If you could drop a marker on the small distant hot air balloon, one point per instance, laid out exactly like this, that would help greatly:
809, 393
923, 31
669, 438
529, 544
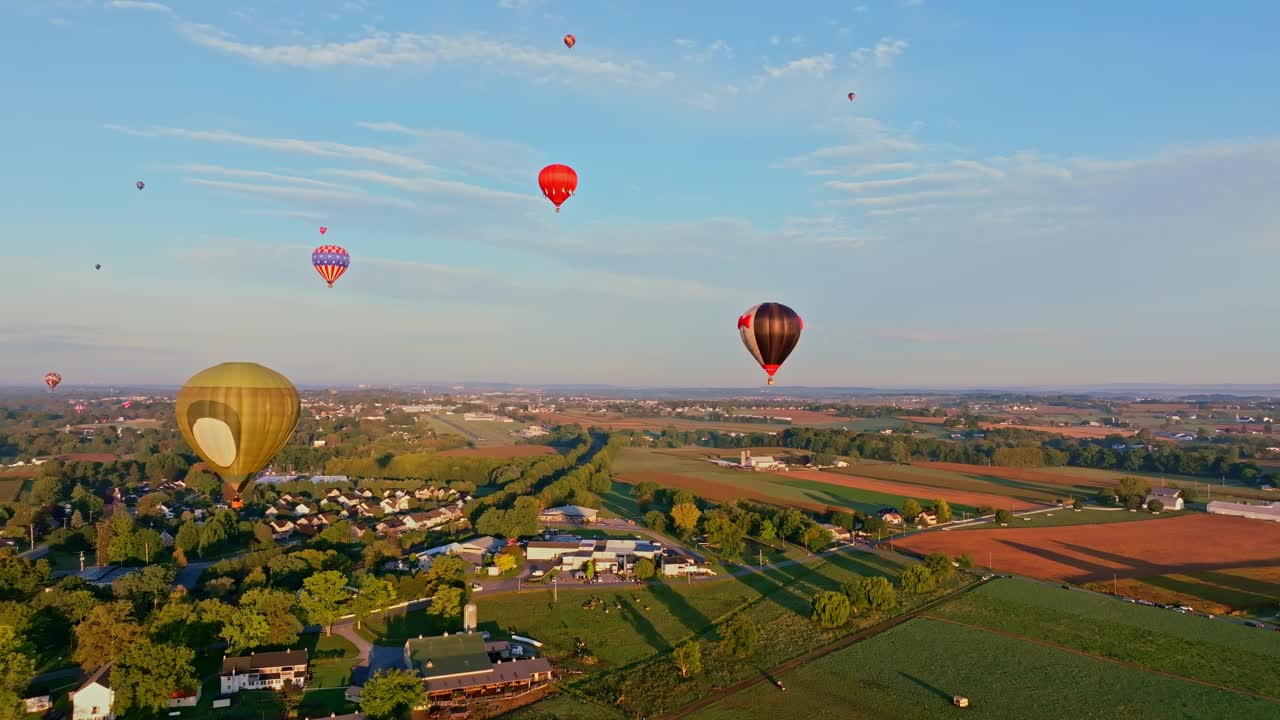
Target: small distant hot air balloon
323, 229
141, 184
770, 331
126, 404
81, 408
852, 96
570, 41
52, 379
97, 267
330, 261
558, 183
237, 416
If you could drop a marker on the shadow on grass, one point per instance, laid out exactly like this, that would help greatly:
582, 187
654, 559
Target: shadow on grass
921, 683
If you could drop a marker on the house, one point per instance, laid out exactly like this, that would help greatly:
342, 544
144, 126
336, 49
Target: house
474, 551
303, 509
838, 534
1170, 498
164, 511
394, 504
105, 575
532, 431
928, 517
268, 670
457, 668
93, 699
166, 539
1255, 512
568, 514
271, 511
281, 529
680, 565
39, 704
891, 517
391, 526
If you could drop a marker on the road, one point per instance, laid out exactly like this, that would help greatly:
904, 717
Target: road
465, 431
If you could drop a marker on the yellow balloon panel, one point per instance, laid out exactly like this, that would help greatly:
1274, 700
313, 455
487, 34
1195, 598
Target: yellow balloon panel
237, 416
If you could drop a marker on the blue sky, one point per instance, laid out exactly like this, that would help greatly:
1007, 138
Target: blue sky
1022, 192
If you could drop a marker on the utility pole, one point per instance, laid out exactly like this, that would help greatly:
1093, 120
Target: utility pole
146, 550
555, 590
32, 528
81, 561
989, 563
1114, 585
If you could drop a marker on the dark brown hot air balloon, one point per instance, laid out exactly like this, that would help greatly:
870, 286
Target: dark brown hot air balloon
770, 331
570, 41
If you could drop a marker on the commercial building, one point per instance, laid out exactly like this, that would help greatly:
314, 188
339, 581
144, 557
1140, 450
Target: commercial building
464, 668
1254, 512
568, 514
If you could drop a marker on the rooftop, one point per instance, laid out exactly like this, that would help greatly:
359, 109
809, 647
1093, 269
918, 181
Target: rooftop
259, 661
448, 655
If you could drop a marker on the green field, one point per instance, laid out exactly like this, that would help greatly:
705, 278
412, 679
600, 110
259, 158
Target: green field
1186, 645
565, 707
491, 433
1067, 516
973, 481
912, 671
763, 487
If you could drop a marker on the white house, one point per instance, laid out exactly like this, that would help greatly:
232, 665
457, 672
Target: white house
281, 528
93, 699
260, 671
1170, 498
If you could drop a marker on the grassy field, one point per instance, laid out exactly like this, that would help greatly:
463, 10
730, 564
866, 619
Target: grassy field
1249, 591
1214, 651
334, 658
975, 481
11, 488
490, 433
1067, 516
915, 668
565, 707
700, 477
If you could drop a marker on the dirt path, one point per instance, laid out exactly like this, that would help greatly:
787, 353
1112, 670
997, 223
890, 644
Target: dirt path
1104, 658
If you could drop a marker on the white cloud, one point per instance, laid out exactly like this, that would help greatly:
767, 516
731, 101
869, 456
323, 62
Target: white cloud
815, 66
199, 169
775, 40
862, 169
922, 195
347, 197
884, 53
138, 5
515, 4
486, 156
711, 50
905, 210
314, 148
978, 167
432, 185
384, 50
861, 8
933, 178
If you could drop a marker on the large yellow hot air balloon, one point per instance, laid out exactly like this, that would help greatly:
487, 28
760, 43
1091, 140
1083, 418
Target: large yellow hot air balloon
237, 416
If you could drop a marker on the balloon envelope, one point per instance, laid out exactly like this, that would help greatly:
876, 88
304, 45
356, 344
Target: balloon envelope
237, 416
558, 183
323, 229
770, 331
852, 96
52, 379
141, 184
570, 41
330, 261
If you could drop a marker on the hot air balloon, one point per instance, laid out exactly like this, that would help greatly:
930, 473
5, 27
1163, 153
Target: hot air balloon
81, 408
770, 331
558, 182
323, 229
126, 404
852, 96
97, 267
570, 41
237, 416
141, 184
330, 261
52, 379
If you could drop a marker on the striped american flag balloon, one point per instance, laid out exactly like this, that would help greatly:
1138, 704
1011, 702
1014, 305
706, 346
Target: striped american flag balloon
330, 261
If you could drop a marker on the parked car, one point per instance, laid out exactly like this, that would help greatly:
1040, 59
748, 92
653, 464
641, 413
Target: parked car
1254, 623
476, 588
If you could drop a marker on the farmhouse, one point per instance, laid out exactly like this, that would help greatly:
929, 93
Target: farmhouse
1255, 512
763, 462
260, 671
568, 514
838, 534
891, 516
93, 699
1170, 498
928, 517
457, 669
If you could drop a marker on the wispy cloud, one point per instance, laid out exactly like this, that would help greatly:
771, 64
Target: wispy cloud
432, 185
918, 196
515, 4
385, 50
696, 52
314, 148
348, 197
486, 156
138, 5
815, 66
884, 53
861, 169
199, 169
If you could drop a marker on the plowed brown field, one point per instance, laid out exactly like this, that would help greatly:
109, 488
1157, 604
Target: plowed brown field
958, 497
720, 492
1086, 553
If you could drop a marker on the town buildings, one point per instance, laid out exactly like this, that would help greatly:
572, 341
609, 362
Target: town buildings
269, 670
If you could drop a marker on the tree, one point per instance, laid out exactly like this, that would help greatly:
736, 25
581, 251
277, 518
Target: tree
815, 537
322, 597
17, 668
831, 609
644, 569
391, 694
655, 520
1004, 517
911, 509
841, 518
244, 630
188, 538
940, 565
872, 524
148, 503
1131, 487
943, 509
505, 562
447, 602
290, 699
688, 658
277, 606
767, 532
965, 561
685, 516
589, 570
1155, 506
738, 636
148, 674
375, 594
917, 579
147, 587
447, 570
871, 593
104, 634
899, 453
21, 578
723, 533
1076, 504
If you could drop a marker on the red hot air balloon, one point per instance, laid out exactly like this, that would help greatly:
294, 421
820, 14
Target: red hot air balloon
141, 184
323, 229
330, 261
52, 379
570, 41
852, 96
81, 408
558, 182
770, 331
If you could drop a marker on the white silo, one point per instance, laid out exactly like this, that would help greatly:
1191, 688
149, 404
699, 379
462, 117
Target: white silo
470, 616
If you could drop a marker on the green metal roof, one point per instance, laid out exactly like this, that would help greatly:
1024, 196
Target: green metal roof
448, 655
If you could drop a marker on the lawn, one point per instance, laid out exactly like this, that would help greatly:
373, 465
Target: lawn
490, 433
914, 669
323, 703
1251, 591
332, 658
1187, 645
564, 707
1066, 516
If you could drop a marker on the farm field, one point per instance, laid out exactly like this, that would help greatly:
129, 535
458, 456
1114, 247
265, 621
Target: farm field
1190, 646
11, 487
913, 670
1071, 431
957, 476
952, 496
503, 451
618, 422
483, 433
721, 485
1254, 591
1185, 545
1089, 480
1062, 517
